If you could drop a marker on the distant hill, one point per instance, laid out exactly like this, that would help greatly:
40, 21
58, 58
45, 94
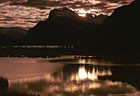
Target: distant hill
11, 35
13, 32
4, 40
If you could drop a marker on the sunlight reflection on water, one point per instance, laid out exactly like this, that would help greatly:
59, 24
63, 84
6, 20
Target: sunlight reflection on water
59, 78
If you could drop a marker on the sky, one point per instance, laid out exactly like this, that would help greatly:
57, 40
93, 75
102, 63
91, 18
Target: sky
26, 13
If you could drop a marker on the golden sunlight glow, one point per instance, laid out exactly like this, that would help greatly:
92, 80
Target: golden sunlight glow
93, 75
81, 12
83, 74
82, 61
71, 88
82, 15
94, 1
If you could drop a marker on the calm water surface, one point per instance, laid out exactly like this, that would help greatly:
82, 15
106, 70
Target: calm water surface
71, 76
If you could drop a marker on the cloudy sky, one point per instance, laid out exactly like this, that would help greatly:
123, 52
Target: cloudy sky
26, 13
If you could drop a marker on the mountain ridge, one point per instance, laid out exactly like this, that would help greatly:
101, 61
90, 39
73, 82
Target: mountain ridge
118, 31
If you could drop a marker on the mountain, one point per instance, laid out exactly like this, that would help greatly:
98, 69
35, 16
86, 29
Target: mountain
99, 19
63, 26
4, 40
13, 32
11, 35
120, 31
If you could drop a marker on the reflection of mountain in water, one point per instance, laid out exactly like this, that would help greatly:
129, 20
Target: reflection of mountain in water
75, 80
83, 77
129, 74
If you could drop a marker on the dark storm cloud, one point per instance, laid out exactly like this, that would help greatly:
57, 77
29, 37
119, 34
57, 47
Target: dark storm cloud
42, 4
103, 6
63, 3
1, 1
116, 1
13, 11
113, 1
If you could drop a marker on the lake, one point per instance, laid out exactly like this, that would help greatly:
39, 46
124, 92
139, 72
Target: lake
70, 76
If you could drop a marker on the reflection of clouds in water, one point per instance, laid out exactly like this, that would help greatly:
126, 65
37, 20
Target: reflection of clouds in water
68, 80
75, 84
84, 88
26, 13
13, 68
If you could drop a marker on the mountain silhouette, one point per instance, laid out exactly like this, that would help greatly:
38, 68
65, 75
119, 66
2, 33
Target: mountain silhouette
11, 35
117, 32
13, 32
120, 31
63, 27
5, 40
